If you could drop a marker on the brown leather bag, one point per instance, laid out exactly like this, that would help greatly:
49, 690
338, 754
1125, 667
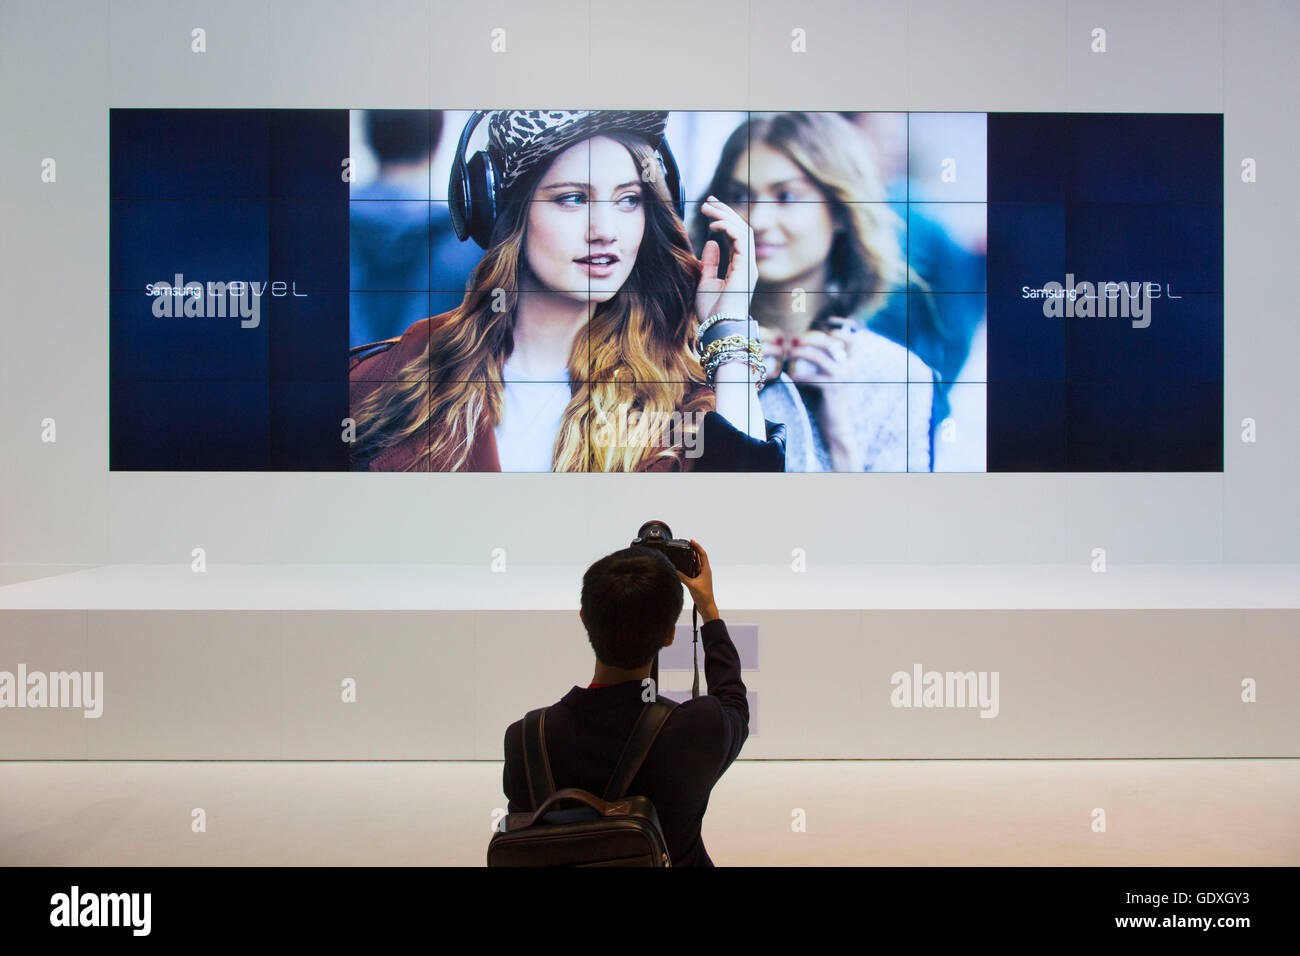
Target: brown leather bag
614, 831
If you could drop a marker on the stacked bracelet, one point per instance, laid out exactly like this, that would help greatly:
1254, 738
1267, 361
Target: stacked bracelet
710, 371
731, 343
722, 343
714, 319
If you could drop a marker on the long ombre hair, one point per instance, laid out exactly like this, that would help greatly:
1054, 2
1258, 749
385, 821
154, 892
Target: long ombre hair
639, 366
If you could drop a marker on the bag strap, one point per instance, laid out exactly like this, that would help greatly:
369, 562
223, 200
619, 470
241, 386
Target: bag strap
644, 731
522, 821
537, 765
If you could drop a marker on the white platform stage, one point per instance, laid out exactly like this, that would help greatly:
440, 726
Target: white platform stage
252, 662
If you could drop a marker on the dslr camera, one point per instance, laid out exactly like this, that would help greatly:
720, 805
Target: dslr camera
682, 554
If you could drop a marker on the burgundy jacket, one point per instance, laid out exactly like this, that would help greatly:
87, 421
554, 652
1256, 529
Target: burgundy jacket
723, 447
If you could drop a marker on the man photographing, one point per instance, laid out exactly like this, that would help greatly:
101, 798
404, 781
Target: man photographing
631, 601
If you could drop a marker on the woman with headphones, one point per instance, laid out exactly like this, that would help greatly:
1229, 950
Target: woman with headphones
590, 337
824, 237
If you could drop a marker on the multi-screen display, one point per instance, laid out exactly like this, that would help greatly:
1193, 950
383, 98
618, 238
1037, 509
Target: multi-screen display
304, 290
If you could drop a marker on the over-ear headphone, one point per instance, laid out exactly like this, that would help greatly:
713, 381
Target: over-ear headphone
474, 199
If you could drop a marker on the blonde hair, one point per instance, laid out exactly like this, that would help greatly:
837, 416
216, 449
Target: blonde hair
639, 364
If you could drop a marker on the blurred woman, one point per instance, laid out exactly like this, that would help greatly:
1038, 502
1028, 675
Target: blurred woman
806, 186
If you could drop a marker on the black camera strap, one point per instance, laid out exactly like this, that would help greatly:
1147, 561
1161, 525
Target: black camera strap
695, 646
695, 652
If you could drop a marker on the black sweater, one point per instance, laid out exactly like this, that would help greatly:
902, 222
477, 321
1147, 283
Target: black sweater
587, 729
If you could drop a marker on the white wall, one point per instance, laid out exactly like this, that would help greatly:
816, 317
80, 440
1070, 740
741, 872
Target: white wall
62, 69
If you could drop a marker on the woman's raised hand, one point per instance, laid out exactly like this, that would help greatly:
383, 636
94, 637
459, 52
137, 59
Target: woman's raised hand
823, 358
731, 295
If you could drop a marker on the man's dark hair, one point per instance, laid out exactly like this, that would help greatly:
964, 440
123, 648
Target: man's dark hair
631, 601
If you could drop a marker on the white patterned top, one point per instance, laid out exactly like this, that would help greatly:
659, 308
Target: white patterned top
889, 401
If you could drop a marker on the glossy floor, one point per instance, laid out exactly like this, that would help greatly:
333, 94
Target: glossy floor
880, 812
